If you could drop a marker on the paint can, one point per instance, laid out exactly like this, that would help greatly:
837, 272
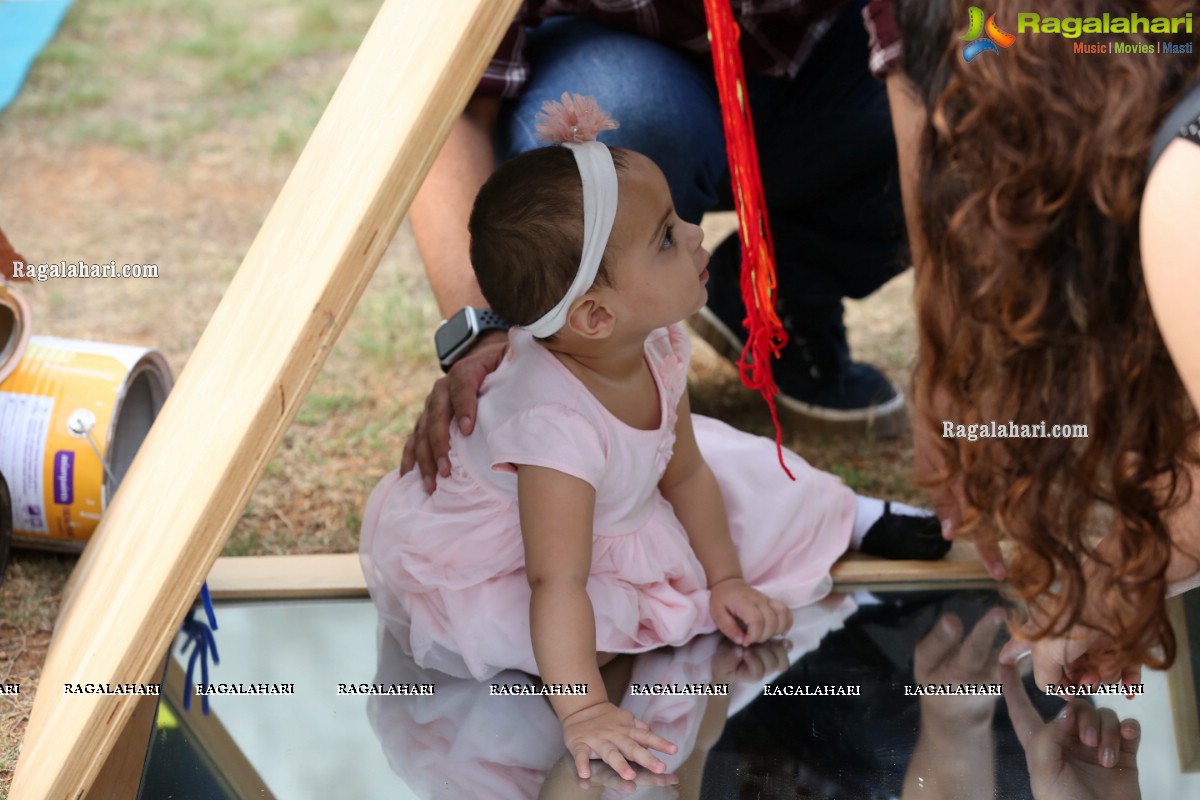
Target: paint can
72, 416
14, 328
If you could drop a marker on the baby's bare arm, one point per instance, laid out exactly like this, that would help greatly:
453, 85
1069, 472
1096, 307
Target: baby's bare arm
556, 524
741, 612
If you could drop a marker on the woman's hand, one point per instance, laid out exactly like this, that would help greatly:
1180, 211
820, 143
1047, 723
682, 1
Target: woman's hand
615, 736
1074, 659
746, 615
1082, 754
944, 655
454, 396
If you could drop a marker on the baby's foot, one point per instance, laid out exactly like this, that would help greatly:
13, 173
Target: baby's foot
901, 536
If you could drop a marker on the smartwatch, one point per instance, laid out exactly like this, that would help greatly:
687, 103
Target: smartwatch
455, 336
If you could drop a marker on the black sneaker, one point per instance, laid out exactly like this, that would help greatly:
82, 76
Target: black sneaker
818, 383
905, 537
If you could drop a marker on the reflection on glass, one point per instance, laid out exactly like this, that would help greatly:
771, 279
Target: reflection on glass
780, 732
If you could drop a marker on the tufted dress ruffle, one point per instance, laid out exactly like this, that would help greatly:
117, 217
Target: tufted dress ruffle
447, 570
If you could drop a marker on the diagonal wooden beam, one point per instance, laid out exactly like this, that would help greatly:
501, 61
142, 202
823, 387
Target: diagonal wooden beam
297, 286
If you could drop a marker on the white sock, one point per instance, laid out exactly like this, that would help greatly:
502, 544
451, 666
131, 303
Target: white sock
867, 512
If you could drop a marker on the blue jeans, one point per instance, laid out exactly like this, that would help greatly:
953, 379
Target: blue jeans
825, 143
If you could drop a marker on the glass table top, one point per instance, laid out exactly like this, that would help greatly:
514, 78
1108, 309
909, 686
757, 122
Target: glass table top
870, 697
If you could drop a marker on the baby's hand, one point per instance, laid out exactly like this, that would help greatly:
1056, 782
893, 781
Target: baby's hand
746, 615
606, 732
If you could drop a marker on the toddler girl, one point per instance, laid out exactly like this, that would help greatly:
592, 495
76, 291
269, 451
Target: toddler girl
580, 519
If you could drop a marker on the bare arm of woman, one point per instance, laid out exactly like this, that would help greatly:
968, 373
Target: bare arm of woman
742, 613
443, 204
556, 525
1171, 265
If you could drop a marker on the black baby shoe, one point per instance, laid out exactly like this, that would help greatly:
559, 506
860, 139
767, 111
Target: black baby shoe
904, 537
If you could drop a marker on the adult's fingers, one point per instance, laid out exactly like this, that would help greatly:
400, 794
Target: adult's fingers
1110, 738
436, 422
977, 648
992, 558
1014, 650
1049, 669
465, 383
466, 379
1088, 723
937, 645
1025, 717
1131, 738
408, 459
423, 455
1132, 675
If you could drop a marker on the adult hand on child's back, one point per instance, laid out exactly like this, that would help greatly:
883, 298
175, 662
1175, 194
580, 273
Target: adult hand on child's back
615, 736
746, 615
454, 396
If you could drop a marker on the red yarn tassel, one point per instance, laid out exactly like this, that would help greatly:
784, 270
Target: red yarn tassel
765, 335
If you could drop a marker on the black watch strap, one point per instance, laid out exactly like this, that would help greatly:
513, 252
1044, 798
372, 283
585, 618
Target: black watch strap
490, 321
457, 335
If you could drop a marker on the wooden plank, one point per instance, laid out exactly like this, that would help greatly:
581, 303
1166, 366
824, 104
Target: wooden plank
250, 371
960, 566
339, 574
287, 577
121, 774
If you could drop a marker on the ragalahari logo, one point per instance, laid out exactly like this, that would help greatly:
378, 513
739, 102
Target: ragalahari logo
996, 38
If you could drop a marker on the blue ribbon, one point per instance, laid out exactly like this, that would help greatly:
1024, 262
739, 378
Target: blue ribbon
199, 638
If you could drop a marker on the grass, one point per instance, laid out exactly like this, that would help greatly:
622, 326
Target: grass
213, 62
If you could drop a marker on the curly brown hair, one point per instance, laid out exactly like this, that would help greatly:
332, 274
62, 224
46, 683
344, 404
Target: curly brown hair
527, 232
1032, 306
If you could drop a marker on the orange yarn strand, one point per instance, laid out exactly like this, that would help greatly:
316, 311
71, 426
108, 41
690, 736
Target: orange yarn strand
765, 335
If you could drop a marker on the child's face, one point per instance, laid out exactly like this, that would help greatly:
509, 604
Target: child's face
659, 269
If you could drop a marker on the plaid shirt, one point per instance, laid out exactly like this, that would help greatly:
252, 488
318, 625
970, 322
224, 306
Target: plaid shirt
777, 35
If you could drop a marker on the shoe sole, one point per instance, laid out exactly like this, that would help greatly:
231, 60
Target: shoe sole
885, 420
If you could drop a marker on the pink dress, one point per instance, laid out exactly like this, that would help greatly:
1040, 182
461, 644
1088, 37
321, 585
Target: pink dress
447, 570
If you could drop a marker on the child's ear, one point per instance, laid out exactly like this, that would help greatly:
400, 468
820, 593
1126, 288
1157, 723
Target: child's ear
592, 317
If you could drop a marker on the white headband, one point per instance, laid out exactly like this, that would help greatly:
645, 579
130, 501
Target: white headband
599, 177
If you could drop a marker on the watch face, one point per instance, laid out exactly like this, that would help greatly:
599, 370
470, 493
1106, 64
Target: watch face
453, 334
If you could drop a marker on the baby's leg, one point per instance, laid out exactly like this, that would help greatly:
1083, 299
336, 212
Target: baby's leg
895, 530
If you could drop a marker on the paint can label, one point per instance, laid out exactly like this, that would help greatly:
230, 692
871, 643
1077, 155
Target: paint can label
56, 477
24, 426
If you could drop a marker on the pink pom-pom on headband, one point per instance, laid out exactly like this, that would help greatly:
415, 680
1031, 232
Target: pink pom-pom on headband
576, 119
